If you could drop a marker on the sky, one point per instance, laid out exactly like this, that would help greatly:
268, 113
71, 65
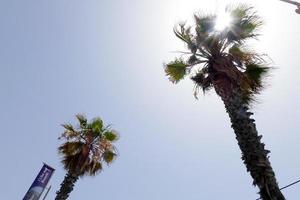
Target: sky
105, 58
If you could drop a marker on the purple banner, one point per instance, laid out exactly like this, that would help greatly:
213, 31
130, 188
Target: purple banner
36, 189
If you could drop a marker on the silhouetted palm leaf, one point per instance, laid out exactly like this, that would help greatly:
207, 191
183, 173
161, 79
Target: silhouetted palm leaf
176, 70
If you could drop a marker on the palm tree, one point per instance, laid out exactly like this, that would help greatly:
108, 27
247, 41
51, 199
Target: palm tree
85, 150
219, 59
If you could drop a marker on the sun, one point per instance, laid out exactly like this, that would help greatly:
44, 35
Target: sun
223, 21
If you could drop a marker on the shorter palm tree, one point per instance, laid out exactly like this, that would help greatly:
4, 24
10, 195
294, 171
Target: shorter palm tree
85, 150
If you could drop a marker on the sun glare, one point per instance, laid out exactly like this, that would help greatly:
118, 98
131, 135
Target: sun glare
223, 20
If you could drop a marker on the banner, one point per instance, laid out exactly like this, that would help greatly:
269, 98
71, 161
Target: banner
36, 189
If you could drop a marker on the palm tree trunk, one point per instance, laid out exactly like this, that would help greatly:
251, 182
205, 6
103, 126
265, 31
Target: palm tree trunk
66, 186
254, 155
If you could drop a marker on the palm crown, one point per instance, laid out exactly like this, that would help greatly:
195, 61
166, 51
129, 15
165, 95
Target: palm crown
87, 146
215, 54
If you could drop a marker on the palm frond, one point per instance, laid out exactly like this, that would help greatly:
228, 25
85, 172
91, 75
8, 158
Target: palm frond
94, 167
202, 81
245, 24
183, 33
111, 135
69, 133
108, 156
97, 126
205, 37
68, 127
242, 56
176, 70
204, 24
82, 120
255, 73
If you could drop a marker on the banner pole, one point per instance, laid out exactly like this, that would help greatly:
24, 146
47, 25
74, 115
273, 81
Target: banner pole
47, 192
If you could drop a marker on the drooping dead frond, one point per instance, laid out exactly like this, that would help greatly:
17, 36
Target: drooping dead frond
94, 168
70, 163
70, 148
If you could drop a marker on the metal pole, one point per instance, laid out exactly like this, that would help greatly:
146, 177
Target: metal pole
47, 192
294, 3
285, 187
291, 2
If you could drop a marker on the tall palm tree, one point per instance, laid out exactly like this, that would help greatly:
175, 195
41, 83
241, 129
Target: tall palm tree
219, 59
85, 150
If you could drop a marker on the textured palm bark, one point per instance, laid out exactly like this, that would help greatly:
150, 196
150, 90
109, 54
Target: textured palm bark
254, 154
66, 187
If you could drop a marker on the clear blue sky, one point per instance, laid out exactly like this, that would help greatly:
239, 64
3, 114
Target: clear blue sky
104, 58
